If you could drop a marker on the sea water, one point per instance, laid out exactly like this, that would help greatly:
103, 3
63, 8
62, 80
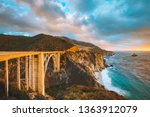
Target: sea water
128, 75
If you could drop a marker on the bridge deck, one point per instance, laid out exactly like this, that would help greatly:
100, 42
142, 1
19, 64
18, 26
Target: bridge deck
12, 55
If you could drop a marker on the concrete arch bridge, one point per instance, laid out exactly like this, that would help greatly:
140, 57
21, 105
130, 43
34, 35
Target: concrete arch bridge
36, 64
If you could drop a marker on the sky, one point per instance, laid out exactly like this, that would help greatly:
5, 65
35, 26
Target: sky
109, 24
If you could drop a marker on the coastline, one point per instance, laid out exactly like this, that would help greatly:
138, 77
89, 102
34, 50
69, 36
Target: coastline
108, 83
105, 80
128, 76
98, 77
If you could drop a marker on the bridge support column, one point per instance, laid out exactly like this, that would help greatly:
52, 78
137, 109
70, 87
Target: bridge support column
6, 78
58, 62
33, 73
35, 86
41, 85
18, 73
30, 71
27, 72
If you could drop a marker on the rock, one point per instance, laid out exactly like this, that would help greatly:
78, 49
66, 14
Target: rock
80, 67
32, 95
134, 55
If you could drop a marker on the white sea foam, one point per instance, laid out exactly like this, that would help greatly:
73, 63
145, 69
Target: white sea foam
107, 82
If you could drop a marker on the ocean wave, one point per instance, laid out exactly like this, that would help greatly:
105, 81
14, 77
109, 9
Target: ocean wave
107, 82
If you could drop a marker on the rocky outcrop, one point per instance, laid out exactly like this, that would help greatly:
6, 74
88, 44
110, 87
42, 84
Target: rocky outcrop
78, 68
134, 55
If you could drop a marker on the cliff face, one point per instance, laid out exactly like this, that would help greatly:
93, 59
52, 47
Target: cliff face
87, 61
77, 79
84, 60
100, 63
78, 68
81, 67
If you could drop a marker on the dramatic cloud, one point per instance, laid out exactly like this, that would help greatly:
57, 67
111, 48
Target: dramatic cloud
44, 8
11, 19
110, 24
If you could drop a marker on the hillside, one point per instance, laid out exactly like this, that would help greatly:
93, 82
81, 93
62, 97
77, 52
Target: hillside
39, 42
42, 42
92, 47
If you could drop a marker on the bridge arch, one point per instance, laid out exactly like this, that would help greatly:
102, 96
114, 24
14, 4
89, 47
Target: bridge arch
51, 68
52, 57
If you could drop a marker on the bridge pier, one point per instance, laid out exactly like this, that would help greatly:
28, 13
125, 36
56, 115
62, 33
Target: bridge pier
6, 78
33, 73
41, 74
27, 72
30, 72
58, 62
35, 80
18, 73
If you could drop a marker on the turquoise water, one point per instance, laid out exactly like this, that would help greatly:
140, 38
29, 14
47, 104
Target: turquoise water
129, 76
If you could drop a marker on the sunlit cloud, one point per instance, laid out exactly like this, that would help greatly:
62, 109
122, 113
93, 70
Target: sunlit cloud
110, 24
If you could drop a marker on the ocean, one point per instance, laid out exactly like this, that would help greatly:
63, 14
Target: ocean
128, 75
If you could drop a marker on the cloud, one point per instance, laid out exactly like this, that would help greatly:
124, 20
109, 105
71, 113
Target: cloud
114, 24
143, 34
44, 8
122, 16
39, 16
83, 6
52, 16
13, 19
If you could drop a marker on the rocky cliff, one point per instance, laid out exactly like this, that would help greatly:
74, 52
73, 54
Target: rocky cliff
77, 79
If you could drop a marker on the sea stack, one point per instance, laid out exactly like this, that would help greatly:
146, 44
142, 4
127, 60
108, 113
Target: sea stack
134, 55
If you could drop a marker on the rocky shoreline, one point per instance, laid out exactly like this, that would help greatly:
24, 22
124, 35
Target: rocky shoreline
78, 71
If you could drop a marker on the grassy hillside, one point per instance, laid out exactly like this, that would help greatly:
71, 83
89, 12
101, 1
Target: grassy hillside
39, 42
93, 47
43, 42
80, 92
